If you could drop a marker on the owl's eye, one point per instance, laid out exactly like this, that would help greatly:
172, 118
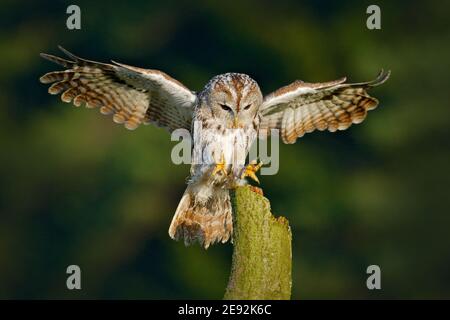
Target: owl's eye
247, 106
225, 107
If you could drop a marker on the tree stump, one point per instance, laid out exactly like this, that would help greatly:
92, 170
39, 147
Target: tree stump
262, 256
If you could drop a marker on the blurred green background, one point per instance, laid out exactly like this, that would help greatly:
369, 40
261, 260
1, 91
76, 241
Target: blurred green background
78, 189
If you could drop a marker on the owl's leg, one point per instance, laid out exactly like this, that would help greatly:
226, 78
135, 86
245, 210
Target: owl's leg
251, 169
220, 167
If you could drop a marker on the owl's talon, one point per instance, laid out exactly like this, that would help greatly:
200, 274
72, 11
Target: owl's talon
251, 169
220, 167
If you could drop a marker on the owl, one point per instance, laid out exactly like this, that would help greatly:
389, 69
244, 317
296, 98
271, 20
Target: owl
224, 118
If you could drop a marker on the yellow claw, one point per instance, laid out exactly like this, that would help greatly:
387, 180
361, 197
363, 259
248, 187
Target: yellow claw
251, 169
220, 167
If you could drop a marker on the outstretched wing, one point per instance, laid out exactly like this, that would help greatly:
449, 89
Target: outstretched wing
303, 107
133, 95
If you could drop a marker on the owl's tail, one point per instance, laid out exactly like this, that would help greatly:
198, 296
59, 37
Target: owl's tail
203, 219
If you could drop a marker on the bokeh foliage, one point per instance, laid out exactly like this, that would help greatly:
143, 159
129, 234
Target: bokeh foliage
77, 189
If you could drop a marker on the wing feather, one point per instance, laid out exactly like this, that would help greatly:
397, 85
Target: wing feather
302, 107
133, 95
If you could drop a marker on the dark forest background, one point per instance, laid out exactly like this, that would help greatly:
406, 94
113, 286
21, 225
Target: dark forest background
75, 188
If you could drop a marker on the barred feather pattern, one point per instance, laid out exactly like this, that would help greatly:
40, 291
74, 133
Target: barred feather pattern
205, 223
132, 95
301, 107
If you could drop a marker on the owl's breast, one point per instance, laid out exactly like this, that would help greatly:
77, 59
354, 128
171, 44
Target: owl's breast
228, 145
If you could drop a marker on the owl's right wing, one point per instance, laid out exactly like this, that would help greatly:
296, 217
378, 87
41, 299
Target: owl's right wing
133, 95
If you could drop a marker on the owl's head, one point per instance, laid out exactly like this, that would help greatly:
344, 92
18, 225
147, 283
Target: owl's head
234, 98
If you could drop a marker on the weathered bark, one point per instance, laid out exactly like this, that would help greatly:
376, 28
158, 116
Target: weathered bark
262, 255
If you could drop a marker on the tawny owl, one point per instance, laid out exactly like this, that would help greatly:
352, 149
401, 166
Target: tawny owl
224, 119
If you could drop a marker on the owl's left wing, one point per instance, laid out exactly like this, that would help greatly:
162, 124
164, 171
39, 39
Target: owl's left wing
301, 107
133, 95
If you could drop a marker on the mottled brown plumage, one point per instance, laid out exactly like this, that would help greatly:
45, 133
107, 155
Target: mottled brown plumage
331, 106
132, 95
224, 119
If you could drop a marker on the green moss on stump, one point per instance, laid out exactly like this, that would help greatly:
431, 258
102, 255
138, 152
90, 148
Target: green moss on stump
262, 255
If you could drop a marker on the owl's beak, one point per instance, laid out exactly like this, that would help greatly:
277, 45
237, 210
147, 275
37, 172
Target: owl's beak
235, 122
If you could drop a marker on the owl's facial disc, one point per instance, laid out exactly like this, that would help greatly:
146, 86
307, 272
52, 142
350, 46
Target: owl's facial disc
234, 98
